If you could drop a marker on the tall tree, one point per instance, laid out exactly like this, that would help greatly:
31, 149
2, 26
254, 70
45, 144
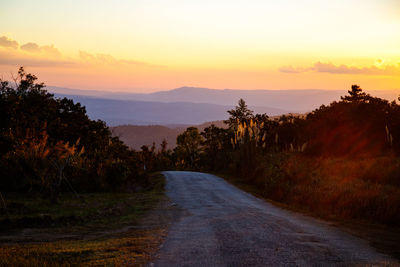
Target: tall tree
215, 139
38, 134
189, 146
241, 113
356, 94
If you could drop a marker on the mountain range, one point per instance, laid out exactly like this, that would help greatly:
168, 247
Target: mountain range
119, 112
298, 101
141, 119
191, 105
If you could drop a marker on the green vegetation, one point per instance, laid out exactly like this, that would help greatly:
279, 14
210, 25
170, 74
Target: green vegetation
66, 177
188, 148
97, 224
340, 160
49, 146
93, 211
60, 169
134, 250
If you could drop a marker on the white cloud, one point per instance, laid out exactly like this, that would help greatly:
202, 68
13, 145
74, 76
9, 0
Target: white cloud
378, 69
7, 42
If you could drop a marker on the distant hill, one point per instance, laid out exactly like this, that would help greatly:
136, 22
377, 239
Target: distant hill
119, 112
136, 136
290, 100
299, 101
148, 118
94, 93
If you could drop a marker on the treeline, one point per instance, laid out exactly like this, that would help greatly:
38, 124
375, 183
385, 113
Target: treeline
49, 145
341, 159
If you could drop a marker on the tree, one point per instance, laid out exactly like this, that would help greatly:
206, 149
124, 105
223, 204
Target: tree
215, 140
189, 147
239, 114
40, 137
355, 94
163, 146
148, 157
164, 157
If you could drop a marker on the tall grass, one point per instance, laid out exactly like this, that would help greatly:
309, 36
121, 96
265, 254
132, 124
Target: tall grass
134, 250
366, 188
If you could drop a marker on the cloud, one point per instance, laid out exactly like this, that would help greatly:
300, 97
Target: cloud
31, 47
33, 54
378, 69
97, 58
105, 59
291, 69
45, 49
18, 59
7, 42
343, 69
50, 50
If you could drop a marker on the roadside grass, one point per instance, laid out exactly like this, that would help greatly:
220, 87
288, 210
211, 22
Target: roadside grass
354, 195
92, 213
90, 209
349, 188
135, 250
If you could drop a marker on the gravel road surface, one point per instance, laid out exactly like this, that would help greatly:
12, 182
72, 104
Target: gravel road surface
224, 226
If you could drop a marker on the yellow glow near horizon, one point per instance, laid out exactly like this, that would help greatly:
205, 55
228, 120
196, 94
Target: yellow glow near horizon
154, 44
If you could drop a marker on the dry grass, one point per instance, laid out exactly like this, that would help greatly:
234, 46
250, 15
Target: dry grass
134, 246
136, 249
366, 189
362, 196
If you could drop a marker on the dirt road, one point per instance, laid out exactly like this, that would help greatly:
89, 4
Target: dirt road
224, 226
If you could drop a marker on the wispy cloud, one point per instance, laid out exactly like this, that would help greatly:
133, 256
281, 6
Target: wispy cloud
45, 49
8, 43
16, 59
344, 69
105, 59
31, 47
35, 55
378, 69
31, 54
291, 69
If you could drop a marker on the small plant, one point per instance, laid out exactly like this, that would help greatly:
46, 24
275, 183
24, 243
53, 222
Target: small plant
389, 137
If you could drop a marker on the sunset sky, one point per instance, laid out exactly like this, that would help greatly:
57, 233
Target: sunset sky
148, 45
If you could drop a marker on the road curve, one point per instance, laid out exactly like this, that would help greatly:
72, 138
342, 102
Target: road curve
224, 226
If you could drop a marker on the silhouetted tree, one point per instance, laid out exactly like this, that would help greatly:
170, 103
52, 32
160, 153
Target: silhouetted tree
355, 94
41, 134
189, 147
216, 140
239, 114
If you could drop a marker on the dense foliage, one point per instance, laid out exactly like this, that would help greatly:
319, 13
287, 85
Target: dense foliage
341, 159
49, 145
329, 160
357, 126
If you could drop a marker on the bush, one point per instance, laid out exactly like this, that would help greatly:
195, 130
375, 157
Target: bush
49, 145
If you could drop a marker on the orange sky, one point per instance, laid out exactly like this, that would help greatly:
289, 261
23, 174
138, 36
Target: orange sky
147, 45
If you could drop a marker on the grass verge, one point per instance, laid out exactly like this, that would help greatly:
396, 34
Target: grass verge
107, 229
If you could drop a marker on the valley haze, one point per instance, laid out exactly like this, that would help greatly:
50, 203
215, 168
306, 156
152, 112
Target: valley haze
192, 105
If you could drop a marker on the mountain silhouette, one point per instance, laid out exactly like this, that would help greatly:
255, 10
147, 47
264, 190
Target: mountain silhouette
118, 112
